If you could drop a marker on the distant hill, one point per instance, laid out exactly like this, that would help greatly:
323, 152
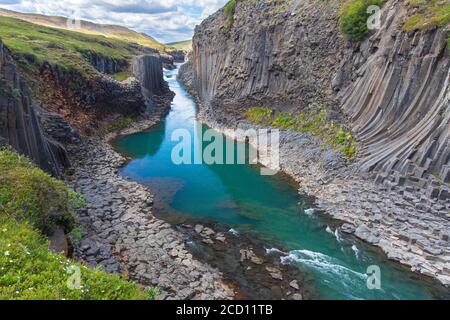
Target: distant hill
31, 44
185, 45
110, 31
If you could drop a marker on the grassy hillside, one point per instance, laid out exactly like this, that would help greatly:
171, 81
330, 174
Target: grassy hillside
110, 31
185, 45
32, 204
37, 43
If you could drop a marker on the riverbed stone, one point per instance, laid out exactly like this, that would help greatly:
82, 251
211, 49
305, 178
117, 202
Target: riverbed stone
294, 284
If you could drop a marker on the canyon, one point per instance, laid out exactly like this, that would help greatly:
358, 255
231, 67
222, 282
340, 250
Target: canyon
390, 92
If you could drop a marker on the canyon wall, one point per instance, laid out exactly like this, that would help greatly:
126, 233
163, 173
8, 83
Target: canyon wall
86, 102
392, 89
106, 65
19, 125
399, 103
148, 70
72, 105
276, 54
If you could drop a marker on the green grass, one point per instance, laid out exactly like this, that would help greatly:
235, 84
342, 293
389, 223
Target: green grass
33, 204
230, 9
431, 14
353, 18
121, 76
119, 124
29, 271
260, 115
110, 31
27, 194
313, 121
37, 43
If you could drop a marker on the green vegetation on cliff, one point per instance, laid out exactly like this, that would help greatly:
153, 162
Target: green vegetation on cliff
33, 204
354, 16
312, 121
430, 14
67, 49
230, 9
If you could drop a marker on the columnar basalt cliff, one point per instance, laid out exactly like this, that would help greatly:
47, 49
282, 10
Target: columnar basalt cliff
391, 90
106, 65
398, 104
274, 52
148, 70
19, 125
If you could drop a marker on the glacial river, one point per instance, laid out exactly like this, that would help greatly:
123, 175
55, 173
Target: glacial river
268, 208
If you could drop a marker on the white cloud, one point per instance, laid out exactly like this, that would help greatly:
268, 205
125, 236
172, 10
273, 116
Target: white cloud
166, 20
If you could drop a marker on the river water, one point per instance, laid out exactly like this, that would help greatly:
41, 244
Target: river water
268, 208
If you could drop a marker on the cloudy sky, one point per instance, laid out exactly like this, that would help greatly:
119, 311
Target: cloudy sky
166, 20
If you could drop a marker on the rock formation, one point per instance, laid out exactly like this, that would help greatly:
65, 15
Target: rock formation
72, 103
274, 54
19, 125
105, 65
148, 70
392, 89
399, 104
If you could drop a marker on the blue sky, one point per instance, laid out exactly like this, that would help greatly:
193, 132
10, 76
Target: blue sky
166, 20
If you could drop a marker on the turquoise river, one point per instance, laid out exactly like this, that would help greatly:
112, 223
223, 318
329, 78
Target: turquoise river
266, 207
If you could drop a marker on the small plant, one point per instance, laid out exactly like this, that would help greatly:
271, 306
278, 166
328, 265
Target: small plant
152, 293
354, 16
230, 9
284, 121
76, 200
16, 93
119, 124
121, 76
76, 235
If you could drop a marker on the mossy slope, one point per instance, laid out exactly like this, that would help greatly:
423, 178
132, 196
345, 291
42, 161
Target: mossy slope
33, 204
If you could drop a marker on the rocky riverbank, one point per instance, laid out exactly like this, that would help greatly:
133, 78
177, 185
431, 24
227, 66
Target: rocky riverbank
125, 231
288, 58
408, 226
121, 235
